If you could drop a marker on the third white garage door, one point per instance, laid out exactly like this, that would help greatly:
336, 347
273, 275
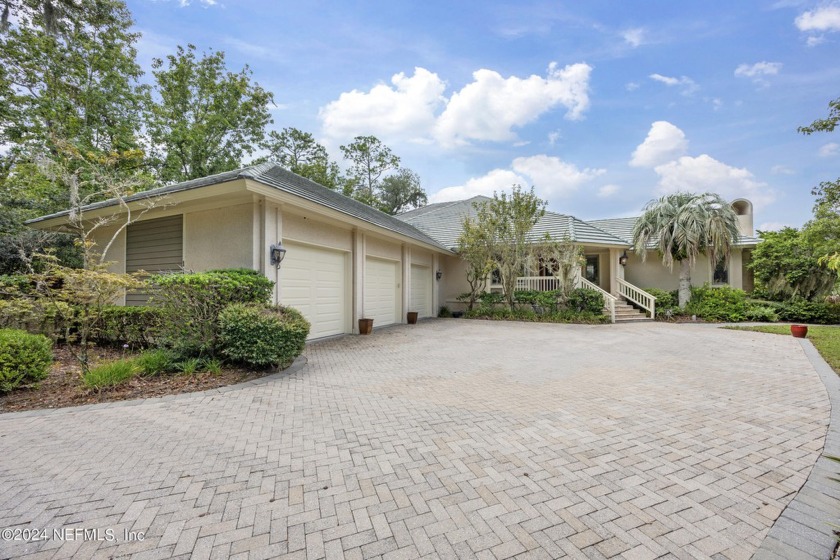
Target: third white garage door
381, 291
421, 290
313, 281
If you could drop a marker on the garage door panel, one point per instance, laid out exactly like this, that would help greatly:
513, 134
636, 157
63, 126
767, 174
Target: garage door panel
381, 291
312, 280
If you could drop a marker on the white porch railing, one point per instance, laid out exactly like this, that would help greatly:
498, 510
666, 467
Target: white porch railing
609, 299
637, 296
538, 283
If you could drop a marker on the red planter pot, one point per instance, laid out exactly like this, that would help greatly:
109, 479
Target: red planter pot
799, 331
412, 317
365, 326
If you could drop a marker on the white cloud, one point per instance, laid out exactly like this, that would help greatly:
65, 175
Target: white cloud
491, 106
553, 177
781, 170
496, 180
829, 150
631, 86
634, 37
550, 177
405, 110
772, 226
704, 173
608, 190
758, 71
815, 40
824, 18
185, 3
553, 137
487, 109
664, 142
687, 85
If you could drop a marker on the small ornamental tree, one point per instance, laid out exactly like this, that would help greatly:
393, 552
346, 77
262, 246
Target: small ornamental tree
511, 218
564, 259
475, 246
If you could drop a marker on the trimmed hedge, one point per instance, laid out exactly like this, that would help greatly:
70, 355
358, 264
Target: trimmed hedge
191, 304
262, 336
528, 315
139, 327
718, 304
25, 358
585, 300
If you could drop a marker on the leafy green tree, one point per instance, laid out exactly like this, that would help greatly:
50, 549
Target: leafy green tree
684, 225
787, 266
511, 219
300, 153
369, 160
203, 119
68, 75
401, 192
475, 247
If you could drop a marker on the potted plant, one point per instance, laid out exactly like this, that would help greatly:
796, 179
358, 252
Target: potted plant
412, 317
799, 331
365, 326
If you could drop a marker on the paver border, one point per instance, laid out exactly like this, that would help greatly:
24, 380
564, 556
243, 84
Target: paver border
803, 530
299, 363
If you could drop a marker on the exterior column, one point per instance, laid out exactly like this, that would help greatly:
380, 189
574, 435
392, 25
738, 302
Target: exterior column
358, 279
406, 283
613, 267
435, 284
272, 232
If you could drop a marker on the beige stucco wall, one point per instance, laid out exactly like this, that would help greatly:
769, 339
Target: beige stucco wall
219, 238
652, 274
375, 247
421, 257
115, 256
453, 282
315, 232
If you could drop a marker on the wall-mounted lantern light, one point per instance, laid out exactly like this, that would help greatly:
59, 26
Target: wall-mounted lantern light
277, 254
622, 260
438, 274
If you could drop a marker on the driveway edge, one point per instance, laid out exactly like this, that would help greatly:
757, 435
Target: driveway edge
299, 363
804, 529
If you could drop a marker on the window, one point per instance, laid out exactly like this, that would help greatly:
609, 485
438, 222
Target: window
721, 275
591, 269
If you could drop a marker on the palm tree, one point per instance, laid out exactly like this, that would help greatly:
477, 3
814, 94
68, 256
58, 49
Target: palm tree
684, 225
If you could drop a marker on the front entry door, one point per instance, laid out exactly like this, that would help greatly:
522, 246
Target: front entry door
591, 271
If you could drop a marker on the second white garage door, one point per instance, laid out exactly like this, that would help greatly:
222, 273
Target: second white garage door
421, 290
313, 281
381, 291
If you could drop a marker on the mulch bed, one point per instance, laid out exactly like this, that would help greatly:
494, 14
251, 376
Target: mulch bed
64, 385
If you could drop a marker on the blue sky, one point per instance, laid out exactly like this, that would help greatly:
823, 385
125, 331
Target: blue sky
600, 105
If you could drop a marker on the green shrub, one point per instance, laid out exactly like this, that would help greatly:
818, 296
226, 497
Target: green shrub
809, 312
51, 319
761, 312
139, 327
262, 336
191, 304
529, 315
444, 312
665, 301
585, 300
718, 304
491, 298
156, 362
110, 374
15, 285
24, 358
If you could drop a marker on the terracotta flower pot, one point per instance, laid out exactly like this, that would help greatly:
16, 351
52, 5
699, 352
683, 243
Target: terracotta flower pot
365, 326
799, 331
412, 317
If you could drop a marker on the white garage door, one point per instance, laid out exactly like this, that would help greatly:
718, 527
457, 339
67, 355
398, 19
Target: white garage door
381, 291
421, 290
312, 280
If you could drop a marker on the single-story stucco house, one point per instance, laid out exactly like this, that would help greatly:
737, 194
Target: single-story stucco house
345, 260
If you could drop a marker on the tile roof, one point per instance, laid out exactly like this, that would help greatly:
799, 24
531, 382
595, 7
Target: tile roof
273, 175
623, 228
442, 221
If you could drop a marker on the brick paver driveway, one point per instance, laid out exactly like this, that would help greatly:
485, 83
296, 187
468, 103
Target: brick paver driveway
446, 439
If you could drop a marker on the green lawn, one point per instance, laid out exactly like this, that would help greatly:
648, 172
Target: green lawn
825, 339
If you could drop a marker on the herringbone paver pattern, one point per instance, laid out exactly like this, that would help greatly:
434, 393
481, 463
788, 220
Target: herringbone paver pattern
449, 439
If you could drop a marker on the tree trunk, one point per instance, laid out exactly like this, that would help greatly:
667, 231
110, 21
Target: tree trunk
685, 283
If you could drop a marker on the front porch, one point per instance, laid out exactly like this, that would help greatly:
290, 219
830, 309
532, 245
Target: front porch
602, 271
